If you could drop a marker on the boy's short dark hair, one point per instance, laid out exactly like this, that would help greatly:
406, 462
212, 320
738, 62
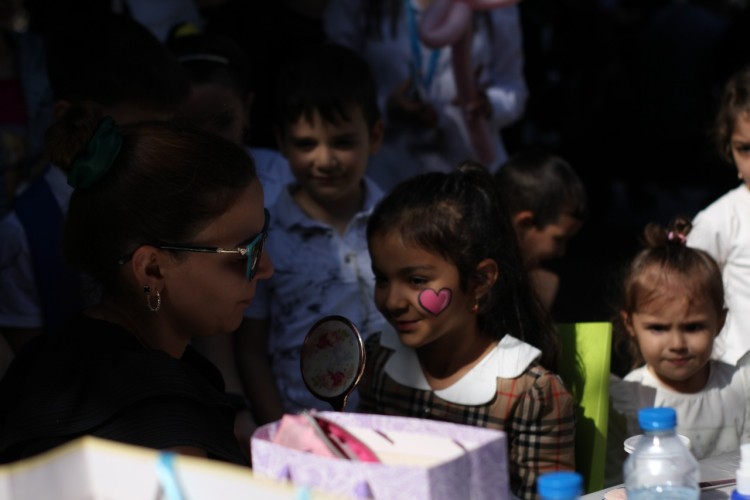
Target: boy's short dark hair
543, 183
328, 79
112, 59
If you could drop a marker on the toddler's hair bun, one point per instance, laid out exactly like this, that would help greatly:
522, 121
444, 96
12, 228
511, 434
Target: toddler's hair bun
655, 235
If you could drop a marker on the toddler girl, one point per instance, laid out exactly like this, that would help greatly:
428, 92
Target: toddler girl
470, 344
672, 310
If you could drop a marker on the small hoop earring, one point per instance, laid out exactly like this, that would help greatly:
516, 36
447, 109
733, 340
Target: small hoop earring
475, 308
151, 307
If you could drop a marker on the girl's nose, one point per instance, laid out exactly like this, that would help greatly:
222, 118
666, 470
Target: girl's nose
395, 303
677, 341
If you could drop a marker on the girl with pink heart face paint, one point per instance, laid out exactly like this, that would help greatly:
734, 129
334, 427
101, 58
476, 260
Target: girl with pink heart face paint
470, 343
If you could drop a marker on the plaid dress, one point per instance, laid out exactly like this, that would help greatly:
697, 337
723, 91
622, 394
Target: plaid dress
534, 409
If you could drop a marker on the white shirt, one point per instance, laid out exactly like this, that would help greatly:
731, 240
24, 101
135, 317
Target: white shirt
723, 231
716, 419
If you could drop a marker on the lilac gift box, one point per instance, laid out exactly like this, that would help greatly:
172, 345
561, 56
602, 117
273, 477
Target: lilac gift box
480, 471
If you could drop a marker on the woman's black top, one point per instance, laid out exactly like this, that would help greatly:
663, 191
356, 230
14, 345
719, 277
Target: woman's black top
94, 378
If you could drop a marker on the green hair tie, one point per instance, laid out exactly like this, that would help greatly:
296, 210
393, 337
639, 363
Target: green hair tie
97, 158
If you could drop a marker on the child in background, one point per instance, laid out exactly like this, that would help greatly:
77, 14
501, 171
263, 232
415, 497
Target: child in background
25, 101
328, 125
471, 344
672, 310
417, 91
547, 203
723, 228
221, 99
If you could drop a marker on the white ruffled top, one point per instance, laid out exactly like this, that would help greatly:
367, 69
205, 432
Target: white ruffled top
716, 419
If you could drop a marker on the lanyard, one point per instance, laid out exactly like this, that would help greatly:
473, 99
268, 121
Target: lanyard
422, 79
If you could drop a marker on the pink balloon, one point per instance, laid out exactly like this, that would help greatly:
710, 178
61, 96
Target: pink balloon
449, 22
445, 20
444, 23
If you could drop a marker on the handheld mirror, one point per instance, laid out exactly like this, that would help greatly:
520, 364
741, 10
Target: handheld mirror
332, 360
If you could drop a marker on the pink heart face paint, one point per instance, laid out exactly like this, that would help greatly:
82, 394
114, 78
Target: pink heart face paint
435, 302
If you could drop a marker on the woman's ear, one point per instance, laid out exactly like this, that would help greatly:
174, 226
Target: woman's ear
486, 274
146, 265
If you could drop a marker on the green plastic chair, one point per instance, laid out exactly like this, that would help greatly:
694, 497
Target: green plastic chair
584, 367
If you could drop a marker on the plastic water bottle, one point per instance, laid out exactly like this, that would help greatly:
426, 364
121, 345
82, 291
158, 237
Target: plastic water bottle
661, 466
563, 485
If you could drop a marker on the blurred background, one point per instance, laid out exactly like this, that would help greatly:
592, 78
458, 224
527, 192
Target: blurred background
625, 90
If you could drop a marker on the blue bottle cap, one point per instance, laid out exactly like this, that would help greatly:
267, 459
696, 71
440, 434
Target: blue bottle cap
559, 485
736, 495
657, 419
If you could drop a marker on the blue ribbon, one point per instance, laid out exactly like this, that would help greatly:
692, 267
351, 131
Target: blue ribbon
167, 475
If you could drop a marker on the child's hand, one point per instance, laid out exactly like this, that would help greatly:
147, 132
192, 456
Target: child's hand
404, 106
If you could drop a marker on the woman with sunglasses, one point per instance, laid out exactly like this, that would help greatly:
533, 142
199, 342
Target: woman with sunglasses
169, 220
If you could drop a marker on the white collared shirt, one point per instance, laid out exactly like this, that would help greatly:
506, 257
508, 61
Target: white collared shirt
509, 359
